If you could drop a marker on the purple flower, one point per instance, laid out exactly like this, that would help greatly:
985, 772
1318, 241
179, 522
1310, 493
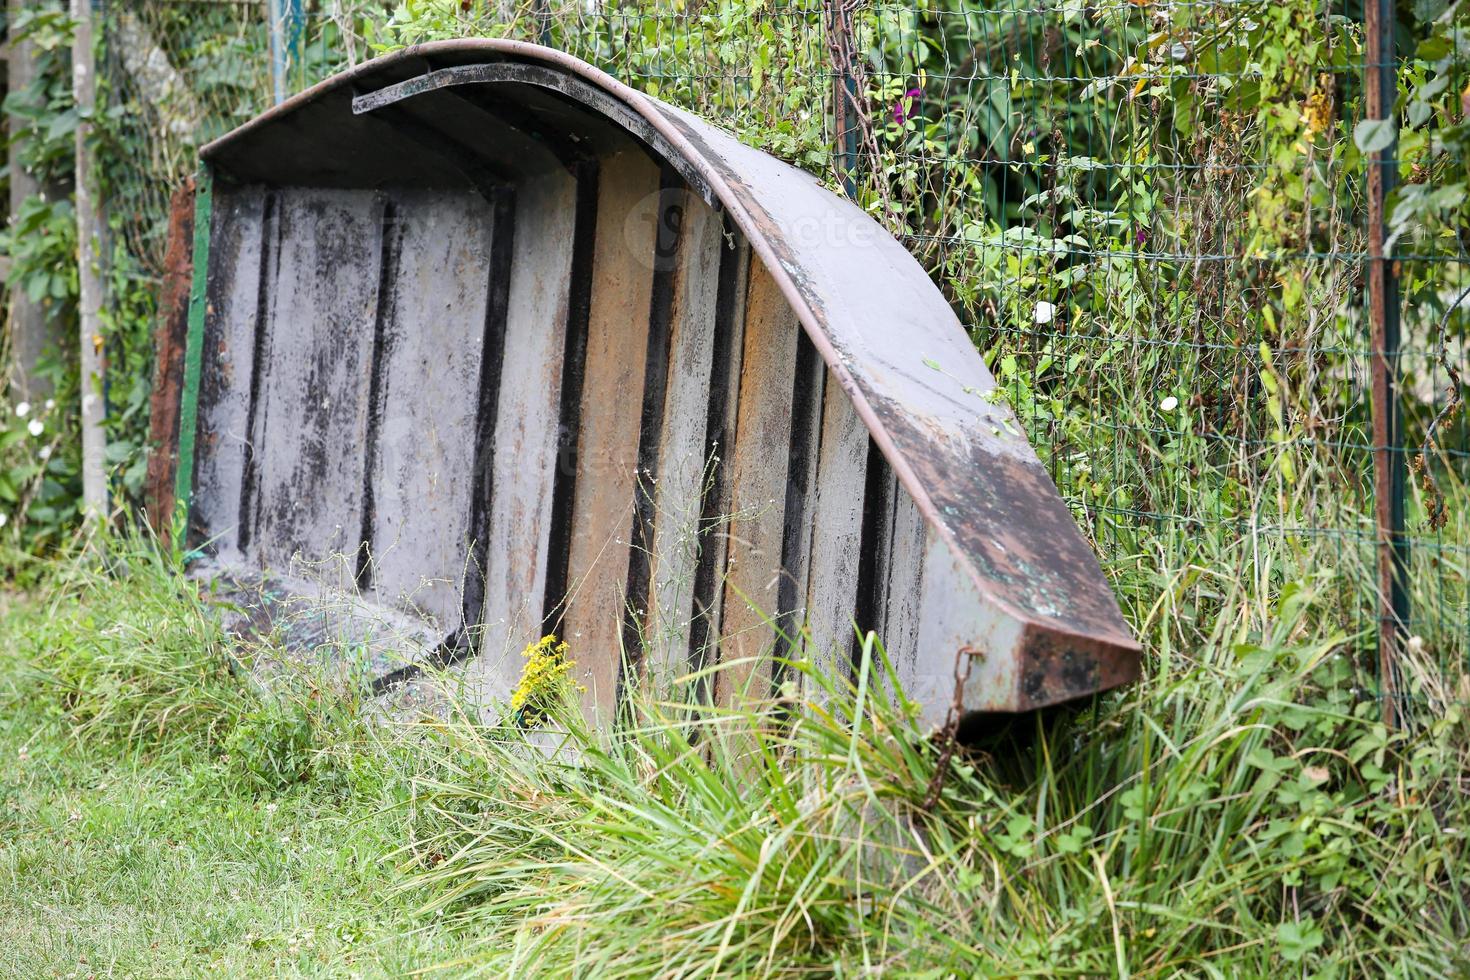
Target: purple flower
901, 112
1140, 237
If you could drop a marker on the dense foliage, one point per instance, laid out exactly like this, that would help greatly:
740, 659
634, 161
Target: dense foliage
40, 458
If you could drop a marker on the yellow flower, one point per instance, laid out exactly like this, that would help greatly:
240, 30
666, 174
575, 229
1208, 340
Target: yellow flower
544, 679
1318, 107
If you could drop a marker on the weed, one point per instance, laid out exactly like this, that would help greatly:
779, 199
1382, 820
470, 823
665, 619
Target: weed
271, 747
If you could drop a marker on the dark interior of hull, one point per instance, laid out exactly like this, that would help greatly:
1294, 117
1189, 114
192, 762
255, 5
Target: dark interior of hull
586, 478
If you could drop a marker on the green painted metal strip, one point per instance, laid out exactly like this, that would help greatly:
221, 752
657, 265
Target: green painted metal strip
194, 348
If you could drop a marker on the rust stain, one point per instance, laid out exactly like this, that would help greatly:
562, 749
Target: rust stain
169, 337
617, 324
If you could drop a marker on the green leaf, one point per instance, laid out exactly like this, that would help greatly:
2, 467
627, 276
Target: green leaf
1074, 840
1297, 939
1433, 48
1375, 135
62, 126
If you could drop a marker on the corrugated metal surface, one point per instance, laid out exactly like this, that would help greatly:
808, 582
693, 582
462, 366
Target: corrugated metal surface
498, 340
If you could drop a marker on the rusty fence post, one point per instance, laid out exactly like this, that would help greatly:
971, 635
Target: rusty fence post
1389, 466
170, 338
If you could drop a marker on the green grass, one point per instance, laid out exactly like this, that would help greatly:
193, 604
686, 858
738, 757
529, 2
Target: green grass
1239, 813
134, 843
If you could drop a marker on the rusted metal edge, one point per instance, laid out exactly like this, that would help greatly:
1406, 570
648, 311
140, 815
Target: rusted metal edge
685, 143
171, 335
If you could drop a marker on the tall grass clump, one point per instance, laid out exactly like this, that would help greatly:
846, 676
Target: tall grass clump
123, 651
162, 815
1240, 812
120, 649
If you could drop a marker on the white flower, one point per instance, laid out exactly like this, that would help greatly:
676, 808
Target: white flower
4, 518
35, 427
22, 410
1169, 404
50, 404
1416, 644
44, 452
1044, 312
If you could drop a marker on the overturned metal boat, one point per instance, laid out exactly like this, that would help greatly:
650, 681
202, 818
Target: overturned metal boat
485, 338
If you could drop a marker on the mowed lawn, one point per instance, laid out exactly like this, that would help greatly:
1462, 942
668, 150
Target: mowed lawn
152, 857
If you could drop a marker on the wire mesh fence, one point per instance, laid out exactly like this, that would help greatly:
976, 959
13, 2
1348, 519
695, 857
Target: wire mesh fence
1153, 217
182, 72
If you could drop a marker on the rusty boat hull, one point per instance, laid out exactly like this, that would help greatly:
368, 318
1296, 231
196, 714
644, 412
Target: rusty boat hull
487, 339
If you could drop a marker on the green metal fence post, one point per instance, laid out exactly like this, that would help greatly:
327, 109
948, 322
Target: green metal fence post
838, 19
194, 346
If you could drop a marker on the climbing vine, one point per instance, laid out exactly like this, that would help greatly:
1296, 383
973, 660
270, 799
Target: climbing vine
40, 462
40, 482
